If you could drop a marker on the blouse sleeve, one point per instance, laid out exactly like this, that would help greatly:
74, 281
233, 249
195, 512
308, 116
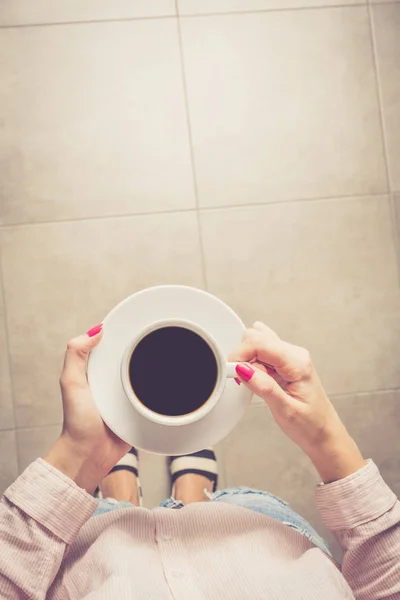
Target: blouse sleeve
40, 514
364, 515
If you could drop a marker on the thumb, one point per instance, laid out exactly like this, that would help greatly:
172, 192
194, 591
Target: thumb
263, 385
77, 355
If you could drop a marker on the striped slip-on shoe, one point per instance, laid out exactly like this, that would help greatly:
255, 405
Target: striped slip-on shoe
129, 462
203, 462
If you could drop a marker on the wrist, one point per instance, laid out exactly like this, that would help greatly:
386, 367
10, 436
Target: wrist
81, 468
337, 457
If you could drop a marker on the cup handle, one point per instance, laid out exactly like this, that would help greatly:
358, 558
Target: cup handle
231, 370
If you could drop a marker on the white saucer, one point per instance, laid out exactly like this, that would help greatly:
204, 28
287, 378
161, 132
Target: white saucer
120, 327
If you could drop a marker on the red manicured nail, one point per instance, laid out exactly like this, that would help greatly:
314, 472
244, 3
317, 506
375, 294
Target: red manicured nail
238, 380
270, 370
245, 371
95, 330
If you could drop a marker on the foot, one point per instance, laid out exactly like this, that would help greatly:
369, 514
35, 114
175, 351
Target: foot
194, 476
122, 482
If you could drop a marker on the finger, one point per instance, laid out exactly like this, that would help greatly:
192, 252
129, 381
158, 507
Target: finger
271, 371
260, 326
270, 333
256, 345
76, 356
291, 362
263, 385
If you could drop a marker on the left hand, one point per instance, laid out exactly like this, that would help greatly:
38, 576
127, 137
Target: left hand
87, 449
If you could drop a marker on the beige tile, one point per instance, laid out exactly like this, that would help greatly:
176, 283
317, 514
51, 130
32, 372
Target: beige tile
386, 25
323, 274
219, 453
258, 455
396, 202
193, 7
273, 116
8, 459
94, 121
60, 279
34, 443
23, 12
154, 478
6, 404
374, 422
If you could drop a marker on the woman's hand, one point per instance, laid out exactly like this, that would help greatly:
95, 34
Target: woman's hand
285, 377
87, 449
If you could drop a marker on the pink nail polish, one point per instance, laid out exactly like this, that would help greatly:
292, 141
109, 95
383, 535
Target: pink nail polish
238, 380
95, 330
270, 370
244, 371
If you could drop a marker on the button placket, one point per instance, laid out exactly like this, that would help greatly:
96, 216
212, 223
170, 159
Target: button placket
173, 558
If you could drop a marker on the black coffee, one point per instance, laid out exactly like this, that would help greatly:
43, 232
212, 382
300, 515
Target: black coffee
173, 371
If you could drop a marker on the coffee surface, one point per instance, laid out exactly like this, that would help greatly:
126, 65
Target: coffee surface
173, 371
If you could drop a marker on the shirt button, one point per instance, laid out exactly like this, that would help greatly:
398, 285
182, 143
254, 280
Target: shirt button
177, 574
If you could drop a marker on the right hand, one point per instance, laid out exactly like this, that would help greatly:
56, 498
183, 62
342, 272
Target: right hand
284, 376
87, 449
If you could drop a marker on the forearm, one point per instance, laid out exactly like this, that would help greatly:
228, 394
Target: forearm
337, 457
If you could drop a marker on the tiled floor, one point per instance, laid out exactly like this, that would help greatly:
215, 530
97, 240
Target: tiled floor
248, 147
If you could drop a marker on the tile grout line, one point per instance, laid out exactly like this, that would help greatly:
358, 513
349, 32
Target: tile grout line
191, 149
29, 427
380, 2
98, 218
89, 22
7, 340
193, 15
391, 205
273, 10
339, 198
378, 93
257, 403
364, 392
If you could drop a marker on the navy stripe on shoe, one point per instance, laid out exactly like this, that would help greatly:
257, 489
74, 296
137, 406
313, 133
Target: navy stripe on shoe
207, 453
129, 462
203, 463
124, 468
211, 476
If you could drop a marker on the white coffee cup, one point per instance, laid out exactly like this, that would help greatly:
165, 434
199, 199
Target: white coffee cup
225, 370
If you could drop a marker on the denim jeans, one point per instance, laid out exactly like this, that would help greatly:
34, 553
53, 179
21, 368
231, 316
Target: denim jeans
255, 500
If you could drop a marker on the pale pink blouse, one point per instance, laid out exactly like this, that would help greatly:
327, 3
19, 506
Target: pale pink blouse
52, 548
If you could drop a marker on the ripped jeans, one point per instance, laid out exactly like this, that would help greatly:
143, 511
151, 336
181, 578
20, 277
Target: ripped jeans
256, 500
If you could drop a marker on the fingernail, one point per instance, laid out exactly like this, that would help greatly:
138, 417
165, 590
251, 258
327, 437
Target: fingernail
238, 380
95, 330
270, 370
245, 371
